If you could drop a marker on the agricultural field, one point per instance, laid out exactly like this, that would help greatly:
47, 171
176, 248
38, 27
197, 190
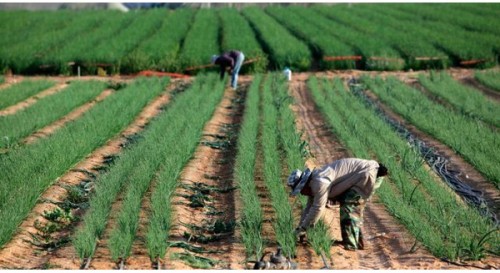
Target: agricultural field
376, 37
155, 172
105, 167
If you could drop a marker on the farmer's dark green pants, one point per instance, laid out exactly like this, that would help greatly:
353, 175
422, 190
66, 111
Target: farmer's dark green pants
351, 219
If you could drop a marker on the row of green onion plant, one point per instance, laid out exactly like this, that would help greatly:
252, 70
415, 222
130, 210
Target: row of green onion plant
31, 169
317, 35
181, 152
285, 49
470, 101
489, 78
23, 90
252, 216
201, 41
237, 33
469, 137
178, 149
161, 50
273, 169
42, 113
418, 53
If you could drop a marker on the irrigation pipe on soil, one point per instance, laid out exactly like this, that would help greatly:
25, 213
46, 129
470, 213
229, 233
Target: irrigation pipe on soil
438, 163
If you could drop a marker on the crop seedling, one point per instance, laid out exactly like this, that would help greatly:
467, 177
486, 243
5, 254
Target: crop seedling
206, 189
222, 145
196, 261
79, 194
44, 238
191, 248
58, 215
477, 248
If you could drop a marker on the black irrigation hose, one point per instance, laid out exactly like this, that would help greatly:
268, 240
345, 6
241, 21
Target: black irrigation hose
438, 163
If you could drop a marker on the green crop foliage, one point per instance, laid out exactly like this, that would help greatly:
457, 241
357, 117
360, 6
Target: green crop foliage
23, 90
142, 164
117, 50
319, 239
425, 206
31, 169
489, 78
252, 215
161, 50
201, 42
469, 101
472, 139
23, 57
42, 113
377, 54
237, 34
453, 40
418, 53
316, 34
152, 159
425, 35
285, 49
80, 49
284, 221
193, 109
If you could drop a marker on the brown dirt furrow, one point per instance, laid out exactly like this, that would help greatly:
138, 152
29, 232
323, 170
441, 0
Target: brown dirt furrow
73, 115
210, 168
19, 251
9, 81
102, 255
265, 203
33, 99
325, 148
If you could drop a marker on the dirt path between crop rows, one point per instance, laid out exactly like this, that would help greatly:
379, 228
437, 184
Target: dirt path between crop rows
206, 204
73, 115
33, 99
19, 252
388, 244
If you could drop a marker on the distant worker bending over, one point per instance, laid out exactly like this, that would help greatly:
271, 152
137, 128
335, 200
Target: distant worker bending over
231, 60
350, 182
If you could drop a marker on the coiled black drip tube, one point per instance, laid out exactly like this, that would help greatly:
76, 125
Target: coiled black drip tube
438, 163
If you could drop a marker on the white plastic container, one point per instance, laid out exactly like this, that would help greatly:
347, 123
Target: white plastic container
288, 73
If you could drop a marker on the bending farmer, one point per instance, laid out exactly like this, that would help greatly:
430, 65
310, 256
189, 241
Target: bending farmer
349, 181
232, 60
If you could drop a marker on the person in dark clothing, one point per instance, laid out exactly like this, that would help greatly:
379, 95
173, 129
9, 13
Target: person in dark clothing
232, 60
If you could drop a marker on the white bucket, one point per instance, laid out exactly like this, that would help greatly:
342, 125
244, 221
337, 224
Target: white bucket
288, 74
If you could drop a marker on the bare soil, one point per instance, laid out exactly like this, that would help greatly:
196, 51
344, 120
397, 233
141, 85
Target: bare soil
388, 244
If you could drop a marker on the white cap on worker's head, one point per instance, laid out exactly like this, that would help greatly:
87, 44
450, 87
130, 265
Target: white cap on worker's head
293, 178
214, 58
